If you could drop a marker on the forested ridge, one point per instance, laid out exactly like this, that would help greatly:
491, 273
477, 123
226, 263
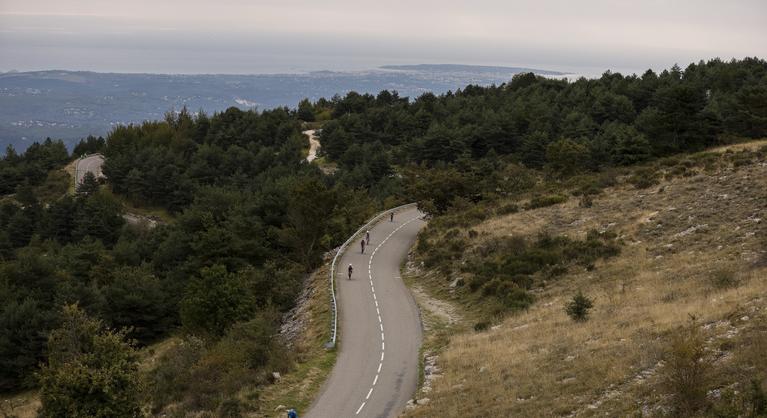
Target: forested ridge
249, 217
567, 127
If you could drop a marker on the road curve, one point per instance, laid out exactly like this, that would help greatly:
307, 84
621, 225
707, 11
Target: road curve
376, 371
92, 164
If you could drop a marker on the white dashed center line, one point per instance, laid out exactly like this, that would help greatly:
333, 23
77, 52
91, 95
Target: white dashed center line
378, 311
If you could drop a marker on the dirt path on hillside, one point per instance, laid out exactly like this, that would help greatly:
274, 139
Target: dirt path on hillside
314, 145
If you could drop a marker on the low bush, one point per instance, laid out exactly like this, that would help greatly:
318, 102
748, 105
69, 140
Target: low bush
669, 161
506, 209
742, 158
724, 278
514, 298
643, 178
591, 184
735, 404
481, 326
686, 372
505, 268
196, 377
578, 308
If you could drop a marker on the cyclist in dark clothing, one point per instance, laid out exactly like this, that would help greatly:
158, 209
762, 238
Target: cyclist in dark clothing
350, 271
362, 244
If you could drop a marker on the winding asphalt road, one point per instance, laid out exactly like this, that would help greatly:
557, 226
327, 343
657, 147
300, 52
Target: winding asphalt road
92, 164
376, 371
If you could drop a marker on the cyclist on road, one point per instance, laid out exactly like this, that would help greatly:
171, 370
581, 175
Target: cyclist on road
367, 237
391, 217
362, 245
350, 271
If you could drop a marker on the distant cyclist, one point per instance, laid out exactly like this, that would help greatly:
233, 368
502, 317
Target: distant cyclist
367, 237
391, 217
292, 414
350, 271
362, 245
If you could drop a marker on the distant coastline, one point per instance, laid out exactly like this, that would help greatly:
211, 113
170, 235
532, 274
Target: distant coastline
70, 105
486, 69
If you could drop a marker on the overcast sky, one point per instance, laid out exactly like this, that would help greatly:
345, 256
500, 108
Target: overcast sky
261, 36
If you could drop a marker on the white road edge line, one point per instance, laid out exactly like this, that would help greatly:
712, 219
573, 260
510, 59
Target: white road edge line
380, 322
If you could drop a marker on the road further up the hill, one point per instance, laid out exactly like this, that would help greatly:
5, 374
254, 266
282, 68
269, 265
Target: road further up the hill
92, 164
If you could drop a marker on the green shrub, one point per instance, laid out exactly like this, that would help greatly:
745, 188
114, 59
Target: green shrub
751, 403
724, 278
686, 372
505, 268
91, 371
491, 288
477, 282
644, 178
669, 161
507, 209
445, 250
709, 160
591, 184
170, 379
230, 408
481, 326
514, 298
203, 378
742, 158
578, 308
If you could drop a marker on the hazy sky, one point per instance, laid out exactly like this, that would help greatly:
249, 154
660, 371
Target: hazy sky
258, 36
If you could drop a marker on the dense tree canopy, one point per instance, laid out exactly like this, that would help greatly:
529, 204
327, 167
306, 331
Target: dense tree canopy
618, 119
250, 219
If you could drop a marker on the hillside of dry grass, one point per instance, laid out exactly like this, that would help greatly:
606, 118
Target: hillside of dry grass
679, 324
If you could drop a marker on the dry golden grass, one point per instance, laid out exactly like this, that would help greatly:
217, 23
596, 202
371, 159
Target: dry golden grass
676, 236
751, 146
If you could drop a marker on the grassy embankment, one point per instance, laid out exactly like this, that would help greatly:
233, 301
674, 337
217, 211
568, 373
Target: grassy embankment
679, 324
